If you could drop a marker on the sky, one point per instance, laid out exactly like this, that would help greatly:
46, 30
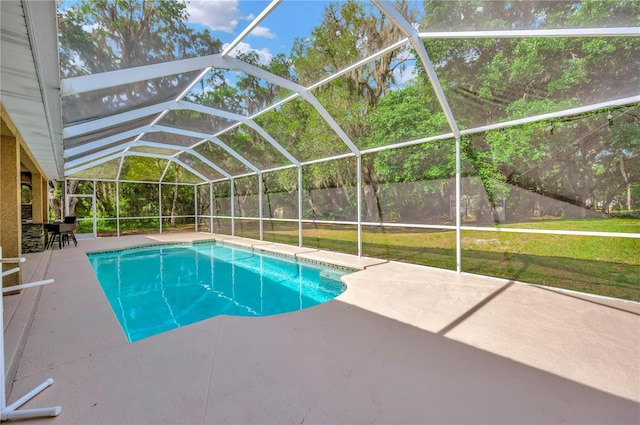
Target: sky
228, 18
292, 18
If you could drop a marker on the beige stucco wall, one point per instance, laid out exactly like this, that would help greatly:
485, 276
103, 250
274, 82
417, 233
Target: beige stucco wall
10, 224
15, 153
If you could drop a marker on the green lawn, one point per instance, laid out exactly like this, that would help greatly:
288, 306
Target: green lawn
600, 265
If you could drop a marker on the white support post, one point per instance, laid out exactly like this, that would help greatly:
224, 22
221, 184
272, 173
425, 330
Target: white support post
66, 200
300, 206
210, 207
93, 208
117, 208
260, 213
10, 411
195, 201
359, 198
458, 218
160, 206
233, 208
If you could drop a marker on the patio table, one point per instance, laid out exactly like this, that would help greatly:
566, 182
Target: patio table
64, 232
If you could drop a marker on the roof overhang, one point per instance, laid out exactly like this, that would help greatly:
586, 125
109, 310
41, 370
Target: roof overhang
30, 79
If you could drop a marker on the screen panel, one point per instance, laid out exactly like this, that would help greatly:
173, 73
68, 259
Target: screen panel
222, 198
280, 194
251, 145
302, 131
138, 200
221, 158
330, 190
428, 247
235, 91
139, 168
411, 185
106, 170
102, 103
572, 173
177, 200
488, 81
246, 196
332, 237
599, 265
247, 228
280, 232
505, 15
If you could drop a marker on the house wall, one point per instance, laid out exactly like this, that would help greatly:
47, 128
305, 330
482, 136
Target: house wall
14, 156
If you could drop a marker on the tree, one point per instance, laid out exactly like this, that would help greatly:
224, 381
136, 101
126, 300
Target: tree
100, 36
406, 114
349, 32
492, 80
103, 35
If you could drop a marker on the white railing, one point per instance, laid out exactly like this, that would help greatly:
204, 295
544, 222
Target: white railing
10, 411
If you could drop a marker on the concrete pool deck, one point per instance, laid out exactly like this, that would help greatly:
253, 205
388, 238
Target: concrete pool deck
403, 344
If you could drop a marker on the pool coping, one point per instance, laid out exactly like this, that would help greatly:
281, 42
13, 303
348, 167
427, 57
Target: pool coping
267, 248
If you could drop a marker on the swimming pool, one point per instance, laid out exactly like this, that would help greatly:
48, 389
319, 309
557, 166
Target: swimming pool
155, 289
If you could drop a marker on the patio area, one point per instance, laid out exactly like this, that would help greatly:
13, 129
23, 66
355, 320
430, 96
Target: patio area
403, 344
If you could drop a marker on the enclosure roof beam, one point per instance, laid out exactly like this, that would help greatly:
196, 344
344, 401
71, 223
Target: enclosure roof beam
170, 105
575, 32
304, 92
116, 119
92, 82
112, 120
267, 10
206, 137
103, 80
405, 26
137, 154
192, 133
553, 115
92, 164
244, 120
89, 158
105, 142
86, 147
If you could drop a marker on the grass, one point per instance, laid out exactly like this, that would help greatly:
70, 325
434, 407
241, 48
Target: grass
600, 265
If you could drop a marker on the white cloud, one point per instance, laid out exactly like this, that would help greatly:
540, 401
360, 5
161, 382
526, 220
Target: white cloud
90, 27
262, 32
403, 76
264, 56
221, 15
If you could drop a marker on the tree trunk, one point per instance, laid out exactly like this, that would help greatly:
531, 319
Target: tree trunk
55, 203
625, 176
73, 201
174, 203
371, 192
314, 210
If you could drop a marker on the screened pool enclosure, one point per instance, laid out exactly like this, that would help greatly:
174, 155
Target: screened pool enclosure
491, 137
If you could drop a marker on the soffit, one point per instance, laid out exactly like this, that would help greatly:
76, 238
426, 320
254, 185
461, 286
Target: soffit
29, 78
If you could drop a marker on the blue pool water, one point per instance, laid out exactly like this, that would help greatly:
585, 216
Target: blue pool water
156, 289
